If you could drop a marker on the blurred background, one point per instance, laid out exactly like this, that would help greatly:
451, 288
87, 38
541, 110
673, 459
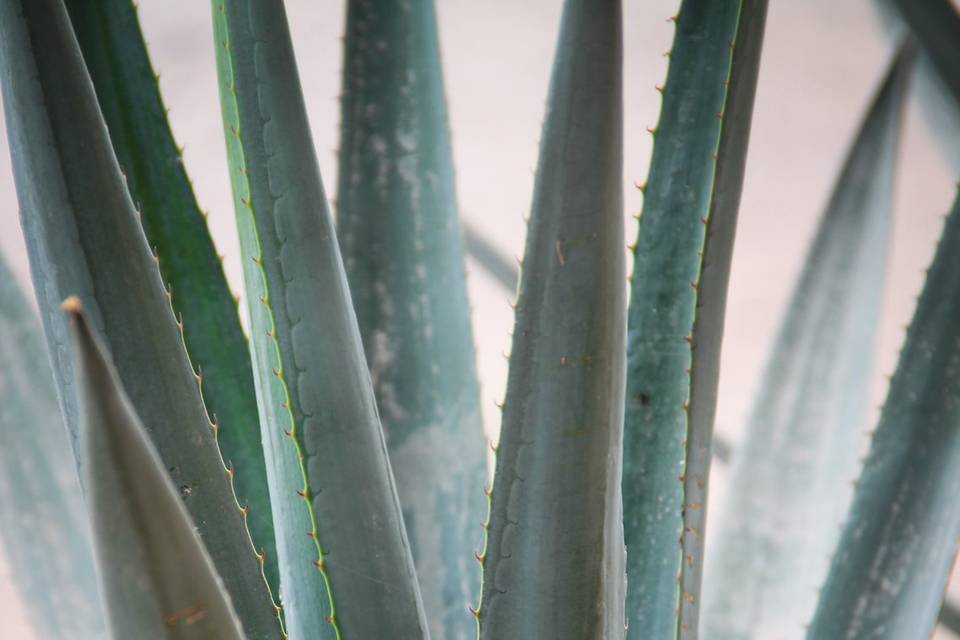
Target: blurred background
821, 62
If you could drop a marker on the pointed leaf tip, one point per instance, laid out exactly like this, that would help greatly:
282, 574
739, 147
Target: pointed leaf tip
72, 306
157, 579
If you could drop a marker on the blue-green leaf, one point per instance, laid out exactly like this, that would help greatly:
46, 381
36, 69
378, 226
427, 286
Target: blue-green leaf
678, 294
158, 581
398, 229
803, 439
891, 566
553, 566
116, 57
345, 562
83, 238
44, 527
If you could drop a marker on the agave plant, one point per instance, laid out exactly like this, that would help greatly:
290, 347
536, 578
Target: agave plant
321, 475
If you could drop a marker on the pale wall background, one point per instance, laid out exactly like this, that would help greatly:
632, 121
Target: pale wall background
822, 59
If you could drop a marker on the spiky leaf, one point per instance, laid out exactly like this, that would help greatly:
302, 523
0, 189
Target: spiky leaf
680, 273
803, 439
898, 544
398, 229
116, 57
158, 580
341, 542
83, 239
553, 566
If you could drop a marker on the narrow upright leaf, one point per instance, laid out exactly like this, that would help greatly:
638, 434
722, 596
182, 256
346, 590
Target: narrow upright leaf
680, 273
345, 563
398, 229
158, 580
898, 545
803, 439
116, 57
83, 239
44, 528
553, 566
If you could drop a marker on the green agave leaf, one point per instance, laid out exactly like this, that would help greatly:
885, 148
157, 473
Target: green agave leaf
553, 566
802, 442
39, 491
898, 545
345, 562
678, 294
116, 57
398, 230
158, 580
83, 238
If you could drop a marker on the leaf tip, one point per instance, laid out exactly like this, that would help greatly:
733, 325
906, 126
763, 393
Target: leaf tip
72, 305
